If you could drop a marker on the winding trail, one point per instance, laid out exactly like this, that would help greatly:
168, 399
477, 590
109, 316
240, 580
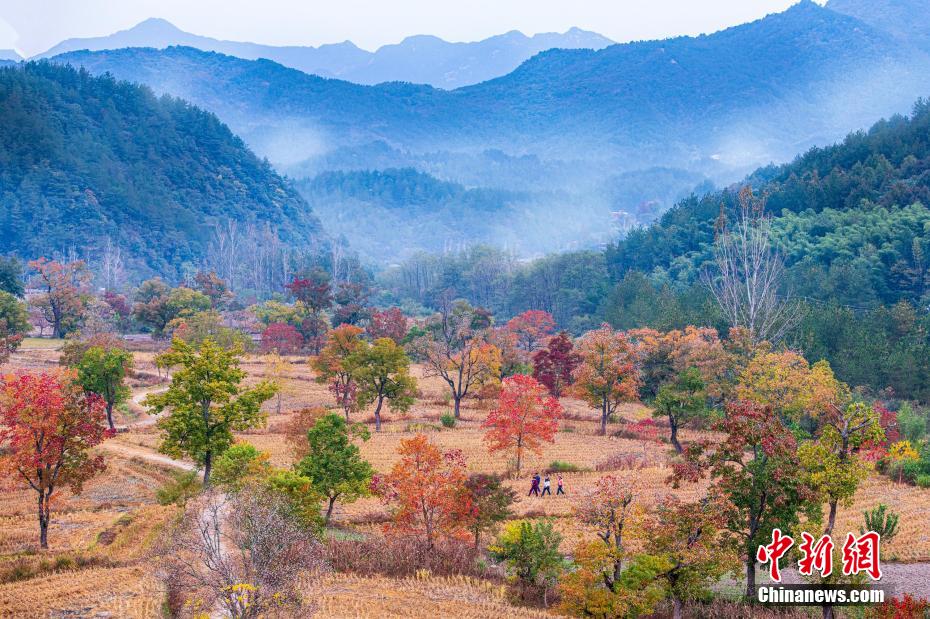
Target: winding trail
119, 447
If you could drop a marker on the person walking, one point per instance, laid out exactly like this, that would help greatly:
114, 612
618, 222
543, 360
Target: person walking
547, 489
534, 487
559, 489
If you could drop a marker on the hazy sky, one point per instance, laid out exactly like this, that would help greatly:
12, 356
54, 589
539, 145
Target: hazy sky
33, 26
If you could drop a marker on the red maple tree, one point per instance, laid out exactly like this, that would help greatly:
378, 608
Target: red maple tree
47, 425
282, 338
389, 323
426, 488
525, 417
554, 364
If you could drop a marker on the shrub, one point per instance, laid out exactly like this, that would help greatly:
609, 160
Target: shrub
911, 423
238, 464
881, 520
184, 486
905, 606
910, 469
923, 481
447, 420
557, 466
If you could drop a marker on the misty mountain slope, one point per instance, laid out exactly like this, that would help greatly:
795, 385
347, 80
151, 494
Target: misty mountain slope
391, 214
85, 158
418, 59
9, 54
745, 95
908, 20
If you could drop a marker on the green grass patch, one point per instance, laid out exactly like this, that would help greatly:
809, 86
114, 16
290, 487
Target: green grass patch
41, 343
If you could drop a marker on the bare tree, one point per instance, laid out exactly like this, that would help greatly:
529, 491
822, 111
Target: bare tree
243, 553
112, 270
747, 282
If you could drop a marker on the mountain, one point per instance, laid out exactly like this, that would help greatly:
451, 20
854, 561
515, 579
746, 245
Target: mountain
418, 59
908, 20
740, 97
9, 54
89, 158
566, 122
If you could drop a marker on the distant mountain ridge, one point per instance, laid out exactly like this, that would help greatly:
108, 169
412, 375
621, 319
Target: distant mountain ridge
421, 59
744, 96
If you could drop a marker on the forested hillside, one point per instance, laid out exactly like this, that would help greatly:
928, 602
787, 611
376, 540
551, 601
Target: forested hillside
85, 158
591, 126
853, 213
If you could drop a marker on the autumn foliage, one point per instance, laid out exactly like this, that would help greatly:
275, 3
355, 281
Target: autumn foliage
282, 338
606, 376
426, 489
389, 323
47, 425
332, 369
554, 364
526, 416
531, 328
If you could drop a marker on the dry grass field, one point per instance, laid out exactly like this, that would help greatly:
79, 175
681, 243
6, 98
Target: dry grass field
97, 565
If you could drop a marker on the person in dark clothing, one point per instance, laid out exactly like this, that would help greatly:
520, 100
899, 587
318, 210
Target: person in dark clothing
534, 488
547, 486
559, 489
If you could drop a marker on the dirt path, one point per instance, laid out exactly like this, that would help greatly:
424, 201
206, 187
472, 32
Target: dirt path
135, 404
133, 451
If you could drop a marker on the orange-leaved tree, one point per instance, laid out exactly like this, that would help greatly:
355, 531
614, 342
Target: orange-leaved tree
330, 366
607, 374
426, 489
47, 424
531, 329
63, 299
525, 417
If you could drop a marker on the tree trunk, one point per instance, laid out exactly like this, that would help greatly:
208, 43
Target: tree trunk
751, 577
827, 611
604, 416
207, 467
329, 510
831, 520
378, 414
110, 415
676, 608
458, 404
44, 517
673, 424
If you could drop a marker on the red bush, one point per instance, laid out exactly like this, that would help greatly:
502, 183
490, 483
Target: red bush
283, 338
